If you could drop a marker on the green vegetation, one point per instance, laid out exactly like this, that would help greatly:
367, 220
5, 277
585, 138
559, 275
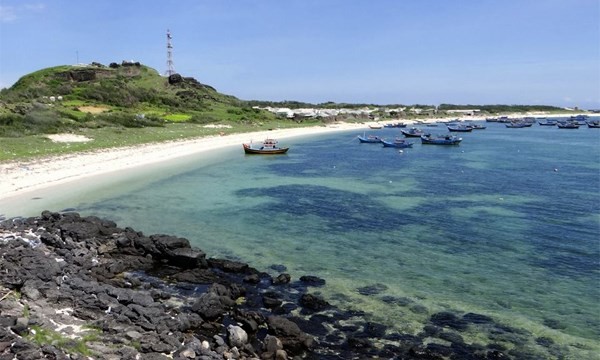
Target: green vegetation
496, 109
118, 105
42, 336
130, 104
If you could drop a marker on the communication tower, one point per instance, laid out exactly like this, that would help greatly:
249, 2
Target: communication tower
170, 68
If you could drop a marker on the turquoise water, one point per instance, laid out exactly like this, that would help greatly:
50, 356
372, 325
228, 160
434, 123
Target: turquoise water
506, 224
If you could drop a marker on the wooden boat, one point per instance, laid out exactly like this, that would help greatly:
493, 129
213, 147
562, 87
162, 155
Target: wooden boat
440, 139
477, 126
517, 124
375, 126
371, 139
567, 125
395, 125
397, 143
579, 117
594, 124
267, 147
413, 132
460, 128
547, 123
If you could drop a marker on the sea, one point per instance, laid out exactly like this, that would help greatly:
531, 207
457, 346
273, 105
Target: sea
506, 224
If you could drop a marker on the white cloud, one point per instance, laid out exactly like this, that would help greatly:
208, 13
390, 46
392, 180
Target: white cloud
35, 7
7, 14
10, 14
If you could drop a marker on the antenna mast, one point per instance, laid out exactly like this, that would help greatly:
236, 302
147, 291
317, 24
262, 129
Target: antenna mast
170, 68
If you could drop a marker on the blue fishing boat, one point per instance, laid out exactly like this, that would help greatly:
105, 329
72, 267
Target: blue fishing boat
594, 124
413, 132
518, 124
567, 125
395, 125
460, 128
397, 143
440, 139
547, 123
371, 139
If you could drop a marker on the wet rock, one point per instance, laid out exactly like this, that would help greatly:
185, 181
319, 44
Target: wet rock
282, 279
292, 338
359, 343
229, 265
313, 302
544, 341
279, 267
312, 280
210, 306
372, 289
477, 318
448, 319
188, 258
271, 300
150, 296
374, 330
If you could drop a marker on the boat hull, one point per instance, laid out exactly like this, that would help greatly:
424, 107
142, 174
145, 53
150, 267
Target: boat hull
460, 128
394, 144
567, 126
250, 150
440, 140
369, 140
409, 133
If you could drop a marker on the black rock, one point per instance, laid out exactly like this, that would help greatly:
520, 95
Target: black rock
448, 319
312, 280
372, 289
313, 302
282, 279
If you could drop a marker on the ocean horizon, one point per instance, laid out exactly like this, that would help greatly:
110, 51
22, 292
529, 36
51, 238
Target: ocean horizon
506, 224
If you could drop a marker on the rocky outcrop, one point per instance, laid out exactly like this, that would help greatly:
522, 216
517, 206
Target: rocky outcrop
75, 287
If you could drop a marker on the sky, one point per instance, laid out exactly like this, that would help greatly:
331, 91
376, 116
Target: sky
535, 52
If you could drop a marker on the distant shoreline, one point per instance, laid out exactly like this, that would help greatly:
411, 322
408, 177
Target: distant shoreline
20, 178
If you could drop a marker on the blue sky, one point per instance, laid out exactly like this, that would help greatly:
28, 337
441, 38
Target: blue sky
357, 51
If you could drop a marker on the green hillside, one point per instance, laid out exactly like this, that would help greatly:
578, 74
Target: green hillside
130, 95
116, 105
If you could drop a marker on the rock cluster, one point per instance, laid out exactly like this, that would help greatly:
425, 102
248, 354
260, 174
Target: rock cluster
75, 287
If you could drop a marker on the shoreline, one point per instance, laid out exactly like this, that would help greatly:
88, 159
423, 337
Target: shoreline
20, 178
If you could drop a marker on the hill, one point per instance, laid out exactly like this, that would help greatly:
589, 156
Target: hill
68, 98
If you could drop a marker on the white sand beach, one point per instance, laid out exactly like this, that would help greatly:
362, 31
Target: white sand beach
22, 177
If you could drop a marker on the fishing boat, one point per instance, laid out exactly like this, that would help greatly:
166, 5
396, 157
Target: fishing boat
477, 126
268, 146
375, 126
371, 139
413, 132
397, 143
460, 128
547, 123
594, 124
395, 125
440, 139
567, 125
517, 124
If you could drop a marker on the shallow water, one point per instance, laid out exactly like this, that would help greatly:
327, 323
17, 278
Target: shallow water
506, 224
